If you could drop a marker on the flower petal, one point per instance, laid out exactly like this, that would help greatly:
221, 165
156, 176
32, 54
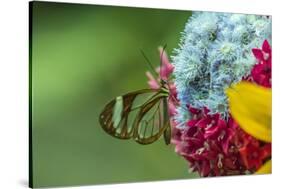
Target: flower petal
265, 168
266, 47
250, 105
153, 84
166, 67
258, 54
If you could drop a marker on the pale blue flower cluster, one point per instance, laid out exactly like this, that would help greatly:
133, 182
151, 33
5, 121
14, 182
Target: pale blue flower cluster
214, 52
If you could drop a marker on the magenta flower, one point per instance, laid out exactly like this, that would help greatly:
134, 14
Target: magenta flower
261, 72
166, 67
152, 82
205, 144
164, 72
216, 147
263, 54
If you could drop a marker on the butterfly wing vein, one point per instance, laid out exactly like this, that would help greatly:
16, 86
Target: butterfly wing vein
145, 123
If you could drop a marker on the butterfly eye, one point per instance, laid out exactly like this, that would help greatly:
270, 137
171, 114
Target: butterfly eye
164, 82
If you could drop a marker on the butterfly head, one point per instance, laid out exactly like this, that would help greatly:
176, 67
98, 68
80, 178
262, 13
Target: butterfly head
163, 83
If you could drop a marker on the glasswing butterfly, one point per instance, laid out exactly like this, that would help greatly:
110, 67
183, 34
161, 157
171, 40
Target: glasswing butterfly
141, 115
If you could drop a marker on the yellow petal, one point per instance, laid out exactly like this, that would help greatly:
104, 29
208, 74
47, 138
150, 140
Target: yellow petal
250, 106
265, 168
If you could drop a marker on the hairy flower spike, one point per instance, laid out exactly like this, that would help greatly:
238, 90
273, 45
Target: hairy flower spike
215, 51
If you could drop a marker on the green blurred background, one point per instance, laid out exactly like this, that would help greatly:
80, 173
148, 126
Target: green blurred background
82, 57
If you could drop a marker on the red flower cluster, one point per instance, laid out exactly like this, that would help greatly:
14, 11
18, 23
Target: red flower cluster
261, 72
216, 147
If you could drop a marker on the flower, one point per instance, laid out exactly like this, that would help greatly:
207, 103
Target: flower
214, 52
261, 72
166, 67
164, 71
266, 168
205, 144
218, 126
218, 50
250, 106
152, 82
215, 147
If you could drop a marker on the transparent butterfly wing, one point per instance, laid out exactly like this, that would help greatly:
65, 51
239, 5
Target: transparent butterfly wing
124, 116
152, 121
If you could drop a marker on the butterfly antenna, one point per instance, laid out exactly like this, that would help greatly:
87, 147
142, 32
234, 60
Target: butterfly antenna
161, 58
149, 63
